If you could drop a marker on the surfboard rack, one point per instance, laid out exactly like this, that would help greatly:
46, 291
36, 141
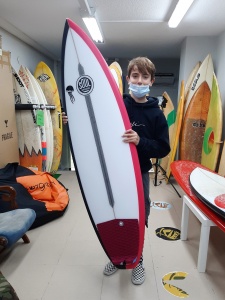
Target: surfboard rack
157, 167
34, 106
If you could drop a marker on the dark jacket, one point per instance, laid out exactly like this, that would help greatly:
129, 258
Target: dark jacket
148, 120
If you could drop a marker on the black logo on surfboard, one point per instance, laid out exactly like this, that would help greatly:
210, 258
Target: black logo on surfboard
85, 85
43, 77
70, 91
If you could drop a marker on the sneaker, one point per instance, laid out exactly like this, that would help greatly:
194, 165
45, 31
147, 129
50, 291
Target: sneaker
138, 273
109, 269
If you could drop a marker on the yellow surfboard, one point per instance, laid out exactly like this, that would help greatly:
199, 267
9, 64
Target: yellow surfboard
47, 81
170, 116
221, 170
117, 75
118, 67
177, 128
213, 129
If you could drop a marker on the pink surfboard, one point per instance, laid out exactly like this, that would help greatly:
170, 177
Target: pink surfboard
108, 170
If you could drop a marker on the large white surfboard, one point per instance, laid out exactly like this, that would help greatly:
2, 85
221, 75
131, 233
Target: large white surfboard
107, 168
210, 188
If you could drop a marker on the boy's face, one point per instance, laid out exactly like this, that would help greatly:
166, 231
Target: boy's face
136, 77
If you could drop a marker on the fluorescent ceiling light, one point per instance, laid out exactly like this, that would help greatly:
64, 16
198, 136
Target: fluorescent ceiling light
93, 28
179, 12
87, 11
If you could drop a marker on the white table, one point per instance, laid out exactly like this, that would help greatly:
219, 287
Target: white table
188, 205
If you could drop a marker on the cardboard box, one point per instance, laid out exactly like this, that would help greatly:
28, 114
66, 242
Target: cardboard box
9, 148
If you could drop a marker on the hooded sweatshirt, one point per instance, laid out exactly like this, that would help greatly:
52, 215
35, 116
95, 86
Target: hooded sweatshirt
148, 120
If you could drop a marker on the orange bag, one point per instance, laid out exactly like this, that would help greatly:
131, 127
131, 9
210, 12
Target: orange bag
43, 187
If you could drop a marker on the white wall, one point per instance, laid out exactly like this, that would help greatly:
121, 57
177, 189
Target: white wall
23, 54
167, 66
193, 50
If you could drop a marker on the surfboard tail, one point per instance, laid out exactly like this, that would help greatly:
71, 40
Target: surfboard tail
116, 236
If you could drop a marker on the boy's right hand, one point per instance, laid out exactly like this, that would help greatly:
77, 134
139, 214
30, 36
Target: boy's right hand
131, 136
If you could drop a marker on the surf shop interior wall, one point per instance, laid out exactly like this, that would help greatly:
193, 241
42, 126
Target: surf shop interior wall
22, 53
195, 49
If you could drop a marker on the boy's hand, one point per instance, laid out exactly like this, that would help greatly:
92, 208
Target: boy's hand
131, 136
64, 118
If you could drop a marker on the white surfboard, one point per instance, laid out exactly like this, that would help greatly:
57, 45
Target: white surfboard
210, 188
29, 136
190, 79
47, 120
23, 74
107, 168
204, 73
221, 169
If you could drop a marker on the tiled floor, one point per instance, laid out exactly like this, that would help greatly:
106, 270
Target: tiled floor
65, 260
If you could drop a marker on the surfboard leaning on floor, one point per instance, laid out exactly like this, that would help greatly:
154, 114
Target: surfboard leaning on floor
189, 83
213, 129
117, 74
176, 132
170, 116
47, 82
29, 136
27, 79
197, 106
47, 120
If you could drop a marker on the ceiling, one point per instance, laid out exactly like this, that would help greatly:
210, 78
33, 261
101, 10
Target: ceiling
130, 27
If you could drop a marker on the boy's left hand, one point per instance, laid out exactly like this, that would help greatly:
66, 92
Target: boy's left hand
131, 136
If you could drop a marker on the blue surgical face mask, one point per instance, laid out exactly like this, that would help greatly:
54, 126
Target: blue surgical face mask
139, 91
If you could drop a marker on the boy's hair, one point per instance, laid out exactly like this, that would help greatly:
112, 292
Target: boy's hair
143, 64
